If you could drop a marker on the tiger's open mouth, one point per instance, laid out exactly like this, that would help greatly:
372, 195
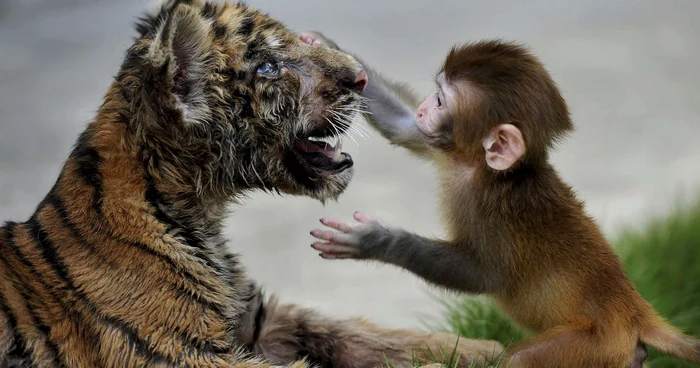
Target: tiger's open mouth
322, 155
318, 155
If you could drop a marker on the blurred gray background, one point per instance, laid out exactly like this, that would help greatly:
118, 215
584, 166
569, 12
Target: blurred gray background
629, 70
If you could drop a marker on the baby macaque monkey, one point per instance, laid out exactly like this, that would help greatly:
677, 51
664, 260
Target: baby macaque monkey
516, 231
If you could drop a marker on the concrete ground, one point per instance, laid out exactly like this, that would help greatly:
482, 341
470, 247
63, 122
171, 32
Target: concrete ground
629, 70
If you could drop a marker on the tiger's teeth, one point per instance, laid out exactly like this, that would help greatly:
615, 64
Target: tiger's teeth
336, 155
337, 150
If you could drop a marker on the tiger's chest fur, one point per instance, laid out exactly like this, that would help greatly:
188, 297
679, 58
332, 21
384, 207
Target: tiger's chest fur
67, 301
101, 275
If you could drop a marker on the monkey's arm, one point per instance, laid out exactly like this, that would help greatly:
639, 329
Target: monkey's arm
392, 108
391, 105
436, 261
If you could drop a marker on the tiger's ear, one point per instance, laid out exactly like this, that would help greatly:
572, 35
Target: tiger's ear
149, 22
183, 43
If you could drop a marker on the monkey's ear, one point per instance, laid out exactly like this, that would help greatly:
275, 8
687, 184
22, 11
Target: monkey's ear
504, 147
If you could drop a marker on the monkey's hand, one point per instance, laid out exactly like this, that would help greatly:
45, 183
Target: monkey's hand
390, 105
317, 38
363, 239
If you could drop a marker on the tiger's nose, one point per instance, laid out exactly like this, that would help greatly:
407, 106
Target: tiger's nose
360, 82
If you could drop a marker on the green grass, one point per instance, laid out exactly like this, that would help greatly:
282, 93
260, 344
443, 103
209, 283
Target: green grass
447, 358
662, 260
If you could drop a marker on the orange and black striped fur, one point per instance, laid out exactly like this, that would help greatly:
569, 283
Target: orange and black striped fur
123, 263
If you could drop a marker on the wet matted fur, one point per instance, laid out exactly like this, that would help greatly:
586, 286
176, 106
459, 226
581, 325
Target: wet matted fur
123, 264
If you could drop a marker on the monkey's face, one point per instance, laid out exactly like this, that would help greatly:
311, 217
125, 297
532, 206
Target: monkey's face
433, 115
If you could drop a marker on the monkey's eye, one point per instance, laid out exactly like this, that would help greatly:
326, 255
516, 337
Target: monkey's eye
268, 70
438, 99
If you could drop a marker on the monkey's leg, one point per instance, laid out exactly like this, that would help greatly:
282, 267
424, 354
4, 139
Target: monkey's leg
571, 347
286, 333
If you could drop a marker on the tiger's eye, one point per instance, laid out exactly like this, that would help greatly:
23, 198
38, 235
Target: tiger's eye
268, 70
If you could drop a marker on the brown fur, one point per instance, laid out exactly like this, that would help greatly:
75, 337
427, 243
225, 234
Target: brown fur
497, 82
123, 264
357, 340
557, 273
519, 235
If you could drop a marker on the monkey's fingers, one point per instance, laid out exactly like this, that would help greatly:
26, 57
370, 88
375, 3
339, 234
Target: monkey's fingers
332, 248
332, 236
361, 217
340, 226
317, 38
309, 38
336, 255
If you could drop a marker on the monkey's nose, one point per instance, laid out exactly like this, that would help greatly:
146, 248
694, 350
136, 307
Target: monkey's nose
360, 82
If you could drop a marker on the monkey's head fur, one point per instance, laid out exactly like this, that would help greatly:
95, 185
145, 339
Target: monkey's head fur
500, 82
223, 99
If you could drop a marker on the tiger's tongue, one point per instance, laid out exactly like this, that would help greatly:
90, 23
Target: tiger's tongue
333, 152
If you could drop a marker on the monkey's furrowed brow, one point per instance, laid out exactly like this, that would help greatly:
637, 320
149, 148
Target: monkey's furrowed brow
440, 80
439, 85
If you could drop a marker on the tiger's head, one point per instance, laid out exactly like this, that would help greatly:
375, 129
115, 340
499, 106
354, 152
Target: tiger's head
226, 99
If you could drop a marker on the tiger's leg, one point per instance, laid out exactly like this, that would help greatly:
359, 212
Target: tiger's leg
283, 333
